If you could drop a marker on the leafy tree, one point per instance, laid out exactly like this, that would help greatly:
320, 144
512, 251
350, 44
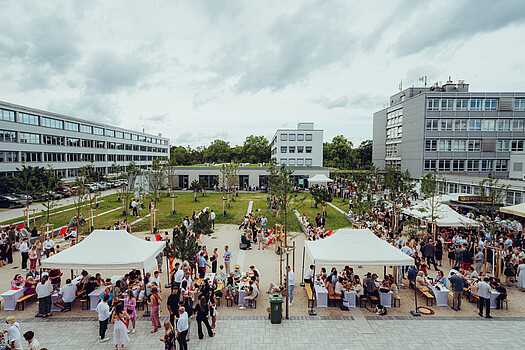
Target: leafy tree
9, 184
430, 187
493, 192
256, 149
183, 246
218, 151
364, 155
156, 177
81, 191
203, 225
131, 174
31, 180
49, 185
196, 186
399, 185
321, 196
338, 153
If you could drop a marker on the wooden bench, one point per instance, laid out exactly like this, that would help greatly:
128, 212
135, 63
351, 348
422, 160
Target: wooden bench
229, 301
335, 299
505, 302
140, 304
21, 301
310, 295
361, 299
252, 303
397, 299
430, 297
473, 297
219, 288
373, 300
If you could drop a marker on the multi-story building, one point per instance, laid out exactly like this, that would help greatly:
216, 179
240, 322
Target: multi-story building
298, 147
446, 128
40, 138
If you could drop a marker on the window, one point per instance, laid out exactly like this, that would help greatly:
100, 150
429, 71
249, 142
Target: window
100, 144
502, 164
87, 143
430, 164
100, 158
73, 157
476, 104
128, 147
137, 148
110, 133
54, 157
502, 146
300, 161
472, 165
486, 165
148, 139
517, 125
291, 161
459, 145
283, 149
283, 161
431, 145
121, 146
308, 161
52, 123
7, 115
127, 136
143, 138
458, 165
433, 104
291, 149
29, 138
491, 104
7, 136
308, 137
25, 118
134, 137
474, 125
8, 157
446, 124
432, 124
71, 126
30, 157
447, 104
119, 134
52, 140
488, 125
300, 137
519, 104
300, 149
291, 137
98, 131
460, 125
111, 145
308, 149
88, 129
516, 145
462, 104
445, 145
474, 145
71, 142
284, 137
444, 165
503, 125
391, 150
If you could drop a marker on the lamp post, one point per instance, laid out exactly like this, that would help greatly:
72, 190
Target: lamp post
287, 283
223, 210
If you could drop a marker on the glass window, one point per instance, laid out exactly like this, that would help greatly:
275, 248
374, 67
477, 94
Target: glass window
120, 146
7, 136
283, 161
30, 157
300, 161
25, 118
111, 145
488, 125
98, 131
458, 165
502, 146
29, 138
432, 124
491, 104
135, 137
486, 165
460, 125
474, 125
300, 137
430, 164
502, 164
308, 137
127, 136
519, 104
462, 104
444, 165
431, 145
283, 149
446, 124
308, 161
87, 143
447, 104
476, 104
308, 149
119, 134
517, 125
445, 145
88, 129
71, 142
52, 123
472, 165
474, 145
291, 137
291, 149
284, 137
71, 126
291, 161
8, 157
7, 115
459, 145
516, 145
52, 140
110, 133
300, 149
433, 104
503, 124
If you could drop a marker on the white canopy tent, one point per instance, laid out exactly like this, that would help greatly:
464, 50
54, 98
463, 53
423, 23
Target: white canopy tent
444, 215
518, 210
355, 247
319, 179
108, 250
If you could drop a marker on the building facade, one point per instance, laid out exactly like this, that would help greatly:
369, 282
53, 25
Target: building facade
298, 147
39, 138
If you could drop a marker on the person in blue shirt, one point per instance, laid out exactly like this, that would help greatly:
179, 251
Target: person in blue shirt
108, 292
440, 278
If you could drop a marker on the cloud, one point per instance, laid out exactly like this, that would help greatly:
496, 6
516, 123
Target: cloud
361, 100
96, 108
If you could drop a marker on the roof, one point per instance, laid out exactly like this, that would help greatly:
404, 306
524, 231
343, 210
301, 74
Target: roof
518, 209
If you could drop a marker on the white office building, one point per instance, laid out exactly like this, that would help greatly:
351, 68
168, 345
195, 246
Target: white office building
298, 147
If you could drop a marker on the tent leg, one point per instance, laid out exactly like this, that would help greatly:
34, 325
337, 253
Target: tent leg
302, 271
168, 285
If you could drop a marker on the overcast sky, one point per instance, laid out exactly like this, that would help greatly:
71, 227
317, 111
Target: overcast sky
196, 71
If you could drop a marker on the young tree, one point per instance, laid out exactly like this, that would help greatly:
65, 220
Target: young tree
195, 186
51, 182
430, 187
494, 193
399, 185
183, 246
321, 196
31, 180
131, 174
81, 191
228, 178
203, 225
156, 177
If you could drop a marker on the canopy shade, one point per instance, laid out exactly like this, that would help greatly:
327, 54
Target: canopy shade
319, 179
444, 216
518, 209
355, 247
108, 250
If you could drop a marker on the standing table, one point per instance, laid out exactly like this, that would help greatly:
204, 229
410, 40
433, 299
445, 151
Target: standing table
10, 298
385, 299
321, 296
350, 298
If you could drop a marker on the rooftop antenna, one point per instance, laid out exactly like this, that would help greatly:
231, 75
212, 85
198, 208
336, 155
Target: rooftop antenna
401, 85
424, 80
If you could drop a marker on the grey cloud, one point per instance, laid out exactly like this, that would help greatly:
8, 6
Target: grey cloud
95, 108
200, 138
158, 118
361, 100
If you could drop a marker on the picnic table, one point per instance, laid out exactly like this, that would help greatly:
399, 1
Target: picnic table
244, 282
10, 298
94, 296
350, 297
440, 292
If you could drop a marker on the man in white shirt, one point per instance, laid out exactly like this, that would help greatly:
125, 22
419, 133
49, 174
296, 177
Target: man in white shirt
178, 277
291, 285
479, 259
155, 279
103, 317
484, 297
48, 246
24, 249
13, 333
264, 220
182, 328
187, 278
309, 277
67, 295
212, 218
253, 292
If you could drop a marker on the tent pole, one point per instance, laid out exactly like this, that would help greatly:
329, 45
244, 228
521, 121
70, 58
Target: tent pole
146, 313
302, 271
168, 284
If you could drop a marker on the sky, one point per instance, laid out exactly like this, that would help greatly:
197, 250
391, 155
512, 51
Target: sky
196, 71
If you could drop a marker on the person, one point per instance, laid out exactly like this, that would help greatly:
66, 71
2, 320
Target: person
182, 328
32, 257
130, 305
256, 273
173, 304
169, 336
440, 278
496, 285
429, 252
67, 295
202, 266
479, 258
520, 272
30, 286
29, 336
43, 291
308, 278
338, 290
14, 337
484, 297
24, 250
54, 277
154, 302
329, 285
49, 246
213, 260
369, 284
212, 218
253, 292
154, 282
246, 241
33, 273
17, 282
107, 292
120, 319
457, 290
212, 301
202, 311
103, 312
421, 283
291, 285
227, 257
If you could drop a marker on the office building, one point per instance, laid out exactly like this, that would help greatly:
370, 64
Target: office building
39, 138
298, 147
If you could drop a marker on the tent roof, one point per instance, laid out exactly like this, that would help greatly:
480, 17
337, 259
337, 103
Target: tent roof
355, 247
518, 209
444, 215
108, 250
319, 178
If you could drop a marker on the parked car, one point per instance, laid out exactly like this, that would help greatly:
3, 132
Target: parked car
7, 201
64, 191
54, 195
22, 196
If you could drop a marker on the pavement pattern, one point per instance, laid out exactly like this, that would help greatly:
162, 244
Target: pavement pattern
299, 332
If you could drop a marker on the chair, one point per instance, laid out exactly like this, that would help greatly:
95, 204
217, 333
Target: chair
505, 303
229, 301
397, 299
252, 303
84, 303
362, 299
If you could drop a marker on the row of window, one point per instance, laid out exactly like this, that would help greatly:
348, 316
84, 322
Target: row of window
473, 104
298, 137
13, 157
394, 133
394, 117
475, 125
32, 119
472, 146
296, 161
461, 165
300, 149
392, 150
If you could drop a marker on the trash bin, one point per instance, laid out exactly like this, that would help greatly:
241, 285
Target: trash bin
276, 307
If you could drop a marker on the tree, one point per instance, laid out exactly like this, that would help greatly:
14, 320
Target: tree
50, 183
132, 171
183, 246
218, 151
81, 191
117, 170
156, 177
430, 187
364, 155
30, 180
338, 153
228, 178
256, 149
399, 185
196, 186
281, 188
9, 184
321, 196
494, 193
203, 225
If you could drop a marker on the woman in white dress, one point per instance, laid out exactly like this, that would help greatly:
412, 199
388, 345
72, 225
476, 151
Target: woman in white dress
521, 276
121, 320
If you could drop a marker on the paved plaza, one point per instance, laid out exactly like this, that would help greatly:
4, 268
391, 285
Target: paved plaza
256, 332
